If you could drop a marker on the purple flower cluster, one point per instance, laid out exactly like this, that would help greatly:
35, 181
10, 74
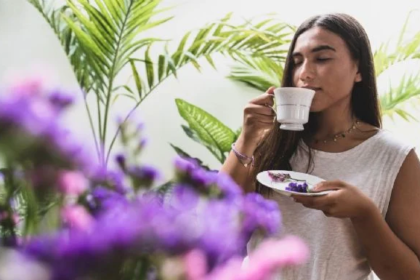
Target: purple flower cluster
206, 182
31, 131
142, 176
296, 187
219, 228
260, 214
111, 179
113, 221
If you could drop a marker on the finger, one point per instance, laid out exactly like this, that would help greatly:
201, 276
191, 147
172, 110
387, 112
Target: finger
328, 185
267, 122
254, 109
264, 99
327, 213
270, 90
317, 202
259, 119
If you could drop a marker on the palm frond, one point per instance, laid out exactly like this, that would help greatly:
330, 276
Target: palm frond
405, 49
108, 32
259, 73
77, 57
267, 38
396, 99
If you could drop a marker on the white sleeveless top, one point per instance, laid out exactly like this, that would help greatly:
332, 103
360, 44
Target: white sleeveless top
335, 252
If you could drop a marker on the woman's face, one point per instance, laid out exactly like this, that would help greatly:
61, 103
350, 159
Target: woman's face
323, 62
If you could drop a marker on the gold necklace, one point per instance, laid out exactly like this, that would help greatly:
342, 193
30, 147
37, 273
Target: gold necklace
340, 135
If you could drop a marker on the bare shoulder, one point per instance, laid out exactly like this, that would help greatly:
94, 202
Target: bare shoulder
409, 173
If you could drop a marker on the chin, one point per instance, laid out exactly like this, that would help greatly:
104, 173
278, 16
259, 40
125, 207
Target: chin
316, 109
317, 106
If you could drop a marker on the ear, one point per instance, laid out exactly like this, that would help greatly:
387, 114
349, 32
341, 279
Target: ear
358, 77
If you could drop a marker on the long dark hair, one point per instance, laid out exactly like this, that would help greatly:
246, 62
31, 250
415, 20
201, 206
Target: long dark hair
277, 148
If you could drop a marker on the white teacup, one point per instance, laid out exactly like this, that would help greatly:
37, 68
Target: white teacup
293, 106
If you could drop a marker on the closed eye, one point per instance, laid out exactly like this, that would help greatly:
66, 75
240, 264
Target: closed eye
323, 59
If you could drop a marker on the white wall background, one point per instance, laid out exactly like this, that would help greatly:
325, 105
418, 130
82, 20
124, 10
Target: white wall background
27, 45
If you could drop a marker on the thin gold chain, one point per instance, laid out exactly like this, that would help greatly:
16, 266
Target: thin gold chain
340, 135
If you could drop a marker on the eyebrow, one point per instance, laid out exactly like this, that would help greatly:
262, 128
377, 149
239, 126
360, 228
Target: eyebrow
317, 49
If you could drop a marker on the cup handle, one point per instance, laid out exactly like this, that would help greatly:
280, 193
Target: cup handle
272, 108
274, 111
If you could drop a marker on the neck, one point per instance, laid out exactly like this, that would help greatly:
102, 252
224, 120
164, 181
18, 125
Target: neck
334, 120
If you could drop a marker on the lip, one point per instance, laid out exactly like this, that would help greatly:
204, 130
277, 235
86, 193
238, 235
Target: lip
312, 87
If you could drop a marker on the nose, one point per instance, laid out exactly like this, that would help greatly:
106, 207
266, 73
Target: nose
307, 72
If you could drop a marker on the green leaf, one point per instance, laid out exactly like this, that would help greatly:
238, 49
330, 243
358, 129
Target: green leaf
396, 99
404, 49
217, 153
164, 189
124, 87
259, 73
115, 11
185, 155
94, 31
210, 60
177, 56
117, 96
100, 19
149, 69
137, 79
88, 44
161, 67
193, 60
171, 64
209, 129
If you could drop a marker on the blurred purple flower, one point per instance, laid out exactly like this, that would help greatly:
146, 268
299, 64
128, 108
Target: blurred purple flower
260, 213
201, 177
147, 225
60, 100
183, 198
30, 130
185, 166
102, 199
228, 187
112, 179
143, 176
121, 161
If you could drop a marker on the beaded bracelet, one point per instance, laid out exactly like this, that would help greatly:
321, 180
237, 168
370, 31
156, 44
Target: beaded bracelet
242, 157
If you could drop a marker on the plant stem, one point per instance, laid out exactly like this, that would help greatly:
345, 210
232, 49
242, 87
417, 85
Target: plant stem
101, 146
129, 115
95, 138
111, 81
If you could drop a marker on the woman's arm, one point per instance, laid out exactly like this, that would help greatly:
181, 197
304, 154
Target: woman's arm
392, 246
258, 119
240, 173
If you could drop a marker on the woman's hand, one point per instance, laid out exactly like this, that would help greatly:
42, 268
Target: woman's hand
258, 118
346, 201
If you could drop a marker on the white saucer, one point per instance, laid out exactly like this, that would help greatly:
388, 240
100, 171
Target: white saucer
280, 187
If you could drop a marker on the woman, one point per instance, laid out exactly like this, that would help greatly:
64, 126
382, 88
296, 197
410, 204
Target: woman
370, 220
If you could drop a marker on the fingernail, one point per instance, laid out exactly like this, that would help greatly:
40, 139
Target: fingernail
317, 186
293, 199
